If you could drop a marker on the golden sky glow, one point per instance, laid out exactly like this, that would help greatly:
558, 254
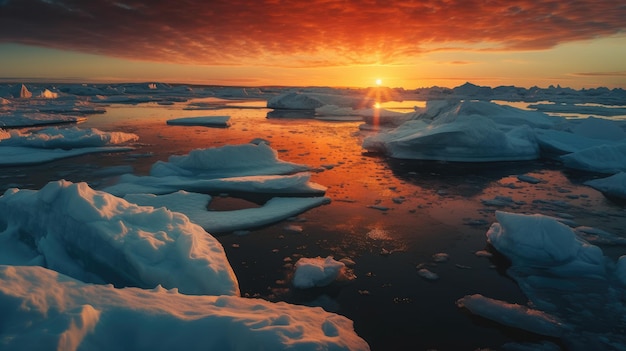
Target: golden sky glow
318, 42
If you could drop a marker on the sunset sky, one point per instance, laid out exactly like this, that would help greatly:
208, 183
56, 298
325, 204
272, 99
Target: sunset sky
316, 42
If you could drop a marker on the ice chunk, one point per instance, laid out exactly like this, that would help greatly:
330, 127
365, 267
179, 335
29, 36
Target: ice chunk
614, 185
513, 315
601, 159
599, 128
537, 239
28, 119
67, 138
226, 161
311, 272
314, 100
207, 121
96, 237
573, 289
45, 309
467, 139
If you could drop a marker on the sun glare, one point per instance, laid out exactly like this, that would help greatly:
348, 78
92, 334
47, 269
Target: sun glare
379, 82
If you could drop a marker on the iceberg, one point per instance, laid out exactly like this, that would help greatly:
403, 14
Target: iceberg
97, 237
42, 309
468, 131
574, 291
467, 139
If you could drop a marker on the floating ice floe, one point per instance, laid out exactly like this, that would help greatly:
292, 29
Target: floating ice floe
294, 184
603, 158
194, 206
45, 309
20, 156
30, 119
206, 121
66, 138
25, 148
226, 161
575, 293
96, 237
613, 186
312, 272
184, 181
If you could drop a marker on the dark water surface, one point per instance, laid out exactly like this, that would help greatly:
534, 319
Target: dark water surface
388, 216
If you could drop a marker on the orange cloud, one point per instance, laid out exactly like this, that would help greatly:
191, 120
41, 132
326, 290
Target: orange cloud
300, 34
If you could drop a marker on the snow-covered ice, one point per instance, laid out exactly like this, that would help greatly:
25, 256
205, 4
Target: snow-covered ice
26, 119
467, 139
226, 161
97, 237
49, 144
43, 309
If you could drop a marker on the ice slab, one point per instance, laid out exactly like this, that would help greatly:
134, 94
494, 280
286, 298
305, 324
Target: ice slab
605, 158
25, 119
20, 156
194, 206
614, 186
295, 184
204, 121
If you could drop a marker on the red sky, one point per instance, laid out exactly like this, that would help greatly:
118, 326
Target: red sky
310, 34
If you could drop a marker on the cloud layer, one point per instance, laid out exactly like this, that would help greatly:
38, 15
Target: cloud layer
301, 34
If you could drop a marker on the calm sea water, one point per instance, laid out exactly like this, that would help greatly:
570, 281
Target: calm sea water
388, 216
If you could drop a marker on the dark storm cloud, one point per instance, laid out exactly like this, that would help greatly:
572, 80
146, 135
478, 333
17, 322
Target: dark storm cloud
292, 33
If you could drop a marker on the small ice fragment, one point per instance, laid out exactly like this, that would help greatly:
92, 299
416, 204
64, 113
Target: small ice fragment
427, 274
528, 179
441, 257
483, 253
295, 229
380, 208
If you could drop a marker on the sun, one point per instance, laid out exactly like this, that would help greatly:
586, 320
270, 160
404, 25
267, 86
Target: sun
379, 82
